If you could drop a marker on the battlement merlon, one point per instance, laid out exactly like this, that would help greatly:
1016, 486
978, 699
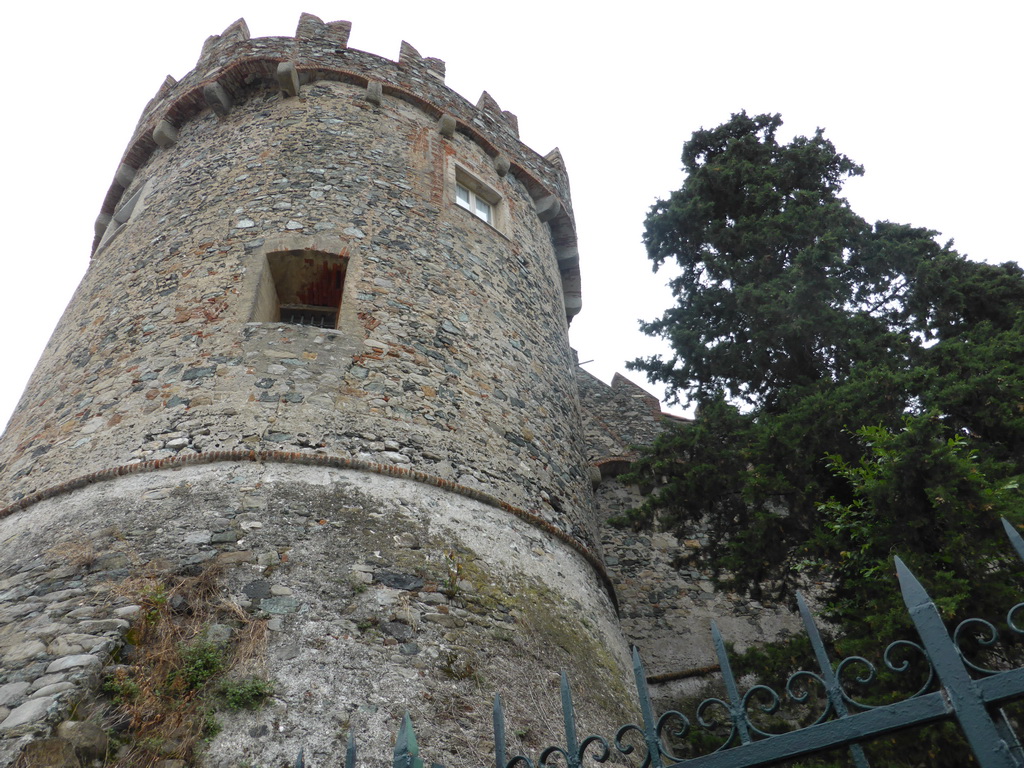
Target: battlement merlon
232, 64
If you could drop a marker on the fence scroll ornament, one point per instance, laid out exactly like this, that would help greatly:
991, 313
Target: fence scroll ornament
954, 688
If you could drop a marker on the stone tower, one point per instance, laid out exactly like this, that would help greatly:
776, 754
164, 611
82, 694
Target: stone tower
320, 356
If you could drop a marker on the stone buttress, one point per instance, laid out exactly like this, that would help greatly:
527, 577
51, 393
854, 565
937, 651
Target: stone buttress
321, 350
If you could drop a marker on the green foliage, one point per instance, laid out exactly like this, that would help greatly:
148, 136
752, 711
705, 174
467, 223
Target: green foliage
211, 726
925, 495
450, 587
859, 388
200, 662
249, 693
760, 235
120, 688
153, 601
169, 691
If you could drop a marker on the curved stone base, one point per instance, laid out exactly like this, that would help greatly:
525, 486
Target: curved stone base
380, 596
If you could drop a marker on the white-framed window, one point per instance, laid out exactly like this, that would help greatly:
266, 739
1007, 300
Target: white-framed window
472, 202
477, 198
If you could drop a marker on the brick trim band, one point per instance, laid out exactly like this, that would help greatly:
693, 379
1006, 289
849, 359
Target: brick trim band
320, 460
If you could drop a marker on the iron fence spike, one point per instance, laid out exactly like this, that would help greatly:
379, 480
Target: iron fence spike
299, 761
569, 718
969, 706
500, 752
833, 689
350, 749
736, 711
646, 711
1015, 538
914, 594
817, 645
407, 751
801, 602
643, 693
401, 748
414, 747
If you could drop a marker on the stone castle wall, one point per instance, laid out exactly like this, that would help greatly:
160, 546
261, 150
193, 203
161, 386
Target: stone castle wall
666, 604
395, 513
451, 356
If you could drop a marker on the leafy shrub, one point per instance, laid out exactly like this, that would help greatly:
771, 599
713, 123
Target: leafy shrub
249, 693
200, 662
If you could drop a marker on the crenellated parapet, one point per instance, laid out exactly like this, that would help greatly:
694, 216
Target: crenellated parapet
232, 66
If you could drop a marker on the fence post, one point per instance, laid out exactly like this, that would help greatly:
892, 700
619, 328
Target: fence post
989, 748
737, 712
498, 717
833, 688
572, 754
651, 737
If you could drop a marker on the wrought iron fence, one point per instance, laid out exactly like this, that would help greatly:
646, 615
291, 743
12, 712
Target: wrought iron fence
955, 688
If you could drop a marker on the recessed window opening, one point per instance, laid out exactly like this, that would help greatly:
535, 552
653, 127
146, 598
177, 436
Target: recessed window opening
309, 286
476, 197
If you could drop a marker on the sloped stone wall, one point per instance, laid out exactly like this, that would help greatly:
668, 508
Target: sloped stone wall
617, 418
379, 595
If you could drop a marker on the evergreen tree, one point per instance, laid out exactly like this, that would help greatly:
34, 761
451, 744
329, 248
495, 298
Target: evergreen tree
859, 389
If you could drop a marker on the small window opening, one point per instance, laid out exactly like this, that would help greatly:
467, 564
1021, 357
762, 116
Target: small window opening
476, 197
474, 203
309, 286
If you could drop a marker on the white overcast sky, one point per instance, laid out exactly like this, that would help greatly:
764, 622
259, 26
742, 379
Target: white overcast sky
926, 95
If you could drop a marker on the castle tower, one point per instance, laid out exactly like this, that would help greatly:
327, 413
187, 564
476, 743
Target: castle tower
321, 354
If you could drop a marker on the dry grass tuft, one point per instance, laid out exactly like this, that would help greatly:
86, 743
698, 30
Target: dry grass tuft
164, 696
79, 554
